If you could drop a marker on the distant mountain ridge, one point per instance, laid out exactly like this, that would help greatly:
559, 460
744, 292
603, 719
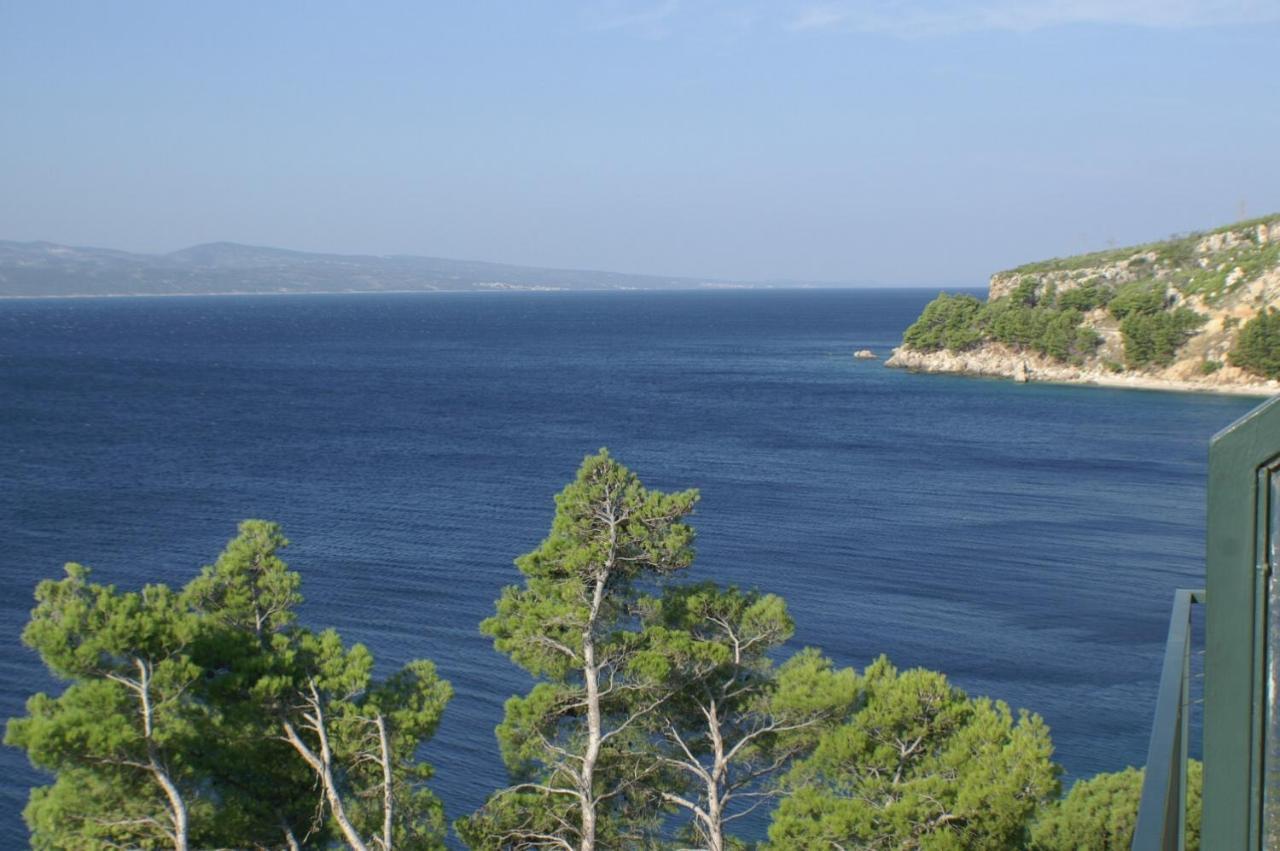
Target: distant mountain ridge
34, 269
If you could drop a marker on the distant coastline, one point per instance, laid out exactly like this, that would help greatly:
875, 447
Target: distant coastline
50, 270
230, 293
476, 291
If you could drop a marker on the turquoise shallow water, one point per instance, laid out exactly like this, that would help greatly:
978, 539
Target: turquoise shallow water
1024, 539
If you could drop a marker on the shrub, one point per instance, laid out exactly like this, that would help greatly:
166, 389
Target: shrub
948, 322
1059, 336
1051, 332
1153, 339
1013, 322
1087, 340
1258, 260
918, 748
1017, 320
1100, 813
1257, 347
1085, 297
1025, 292
1137, 298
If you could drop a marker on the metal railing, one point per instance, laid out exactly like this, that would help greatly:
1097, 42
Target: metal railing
1162, 812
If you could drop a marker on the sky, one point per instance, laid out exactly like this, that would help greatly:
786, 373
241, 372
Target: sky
896, 142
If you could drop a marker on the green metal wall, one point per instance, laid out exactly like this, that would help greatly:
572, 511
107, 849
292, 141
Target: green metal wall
1241, 462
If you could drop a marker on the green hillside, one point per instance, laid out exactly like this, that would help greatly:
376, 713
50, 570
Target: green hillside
1136, 308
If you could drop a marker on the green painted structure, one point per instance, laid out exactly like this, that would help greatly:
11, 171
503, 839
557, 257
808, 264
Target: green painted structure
1244, 483
1241, 663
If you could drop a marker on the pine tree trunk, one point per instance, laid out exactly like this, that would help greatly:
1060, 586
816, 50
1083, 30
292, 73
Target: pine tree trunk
384, 748
322, 765
715, 829
715, 809
591, 753
591, 674
177, 807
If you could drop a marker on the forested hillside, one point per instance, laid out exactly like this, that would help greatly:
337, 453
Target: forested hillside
1198, 310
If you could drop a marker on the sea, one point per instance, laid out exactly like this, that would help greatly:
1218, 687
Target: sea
1024, 539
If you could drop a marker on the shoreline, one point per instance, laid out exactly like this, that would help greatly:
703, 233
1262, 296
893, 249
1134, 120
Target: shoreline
707, 288
1024, 368
478, 290
69, 296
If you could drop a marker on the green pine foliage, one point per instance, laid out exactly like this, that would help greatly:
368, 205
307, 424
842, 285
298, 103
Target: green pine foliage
245, 606
208, 718
1051, 323
1020, 320
661, 711
123, 739
574, 745
948, 322
1046, 330
1101, 813
919, 765
1141, 287
1137, 298
733, 720
1153, 339
1176, 259
1086, 297
1152, 332
1257, 348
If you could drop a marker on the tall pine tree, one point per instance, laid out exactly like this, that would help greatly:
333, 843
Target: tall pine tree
122, 738
735, 721
569, 744
211, 719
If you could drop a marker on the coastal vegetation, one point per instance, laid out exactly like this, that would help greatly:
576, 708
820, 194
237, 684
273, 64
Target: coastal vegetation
1172, 308
1051, 325
1102, 812
1201, 262
662, 711
1152, 330
918, 764
1257, 349
1022, 320
208, 717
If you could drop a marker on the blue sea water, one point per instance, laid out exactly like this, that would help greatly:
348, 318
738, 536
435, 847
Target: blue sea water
1025, 539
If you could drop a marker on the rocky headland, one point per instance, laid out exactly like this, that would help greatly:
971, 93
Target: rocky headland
1182, 314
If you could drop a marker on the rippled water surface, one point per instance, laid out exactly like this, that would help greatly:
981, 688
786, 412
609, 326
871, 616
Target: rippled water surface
1024, 539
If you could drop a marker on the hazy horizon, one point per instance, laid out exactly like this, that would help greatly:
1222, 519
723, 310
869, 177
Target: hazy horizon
890, 143
478, 260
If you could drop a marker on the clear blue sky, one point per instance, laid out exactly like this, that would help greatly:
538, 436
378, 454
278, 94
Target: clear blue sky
889, 141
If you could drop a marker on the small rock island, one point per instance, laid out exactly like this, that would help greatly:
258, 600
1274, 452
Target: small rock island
1198, 312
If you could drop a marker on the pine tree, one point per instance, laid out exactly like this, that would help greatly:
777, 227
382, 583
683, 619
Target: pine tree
245, 608
919, 765
1101, 813
313, 710
121, 738
570, 743
211, 719
734, 721
1257, 348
